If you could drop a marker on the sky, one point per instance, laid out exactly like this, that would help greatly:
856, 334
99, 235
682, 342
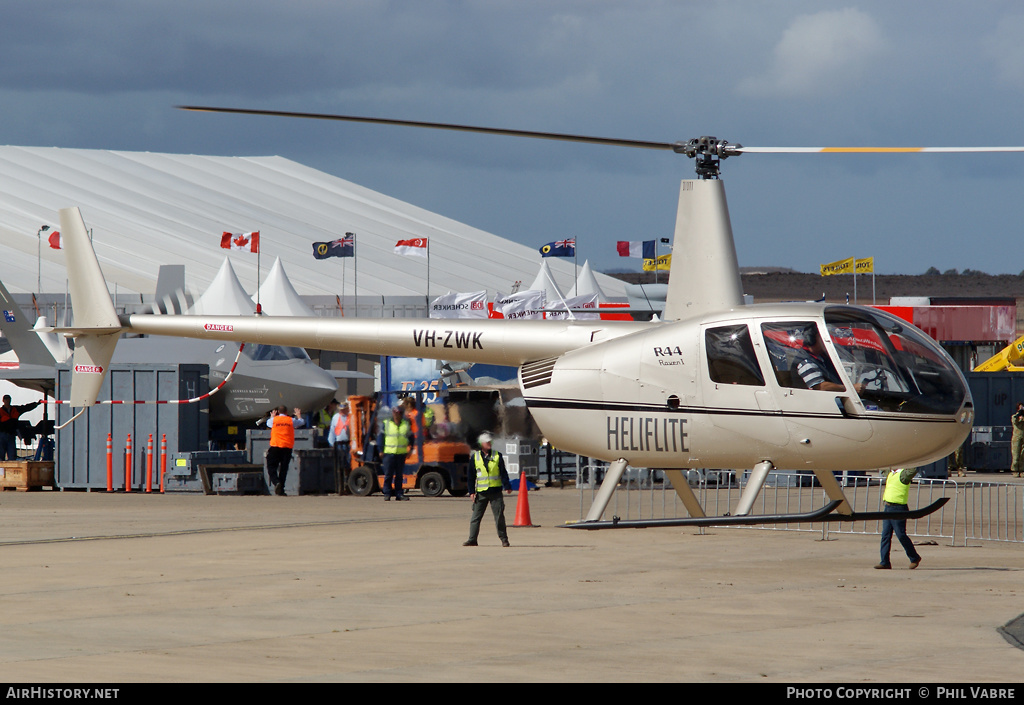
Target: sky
106, 74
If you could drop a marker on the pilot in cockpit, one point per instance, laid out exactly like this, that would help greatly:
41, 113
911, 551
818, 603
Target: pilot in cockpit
812, 365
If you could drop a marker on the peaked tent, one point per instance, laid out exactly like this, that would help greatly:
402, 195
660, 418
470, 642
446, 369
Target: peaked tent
586, 284
546, 283
225, 296
278, 297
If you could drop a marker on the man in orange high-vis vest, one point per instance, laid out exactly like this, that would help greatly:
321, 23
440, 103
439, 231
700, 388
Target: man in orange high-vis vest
282, 440
338, 438
9, 426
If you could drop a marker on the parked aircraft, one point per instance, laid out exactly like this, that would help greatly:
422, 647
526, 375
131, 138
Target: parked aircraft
717, 383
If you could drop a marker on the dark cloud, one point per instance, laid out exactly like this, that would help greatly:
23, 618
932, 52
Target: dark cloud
106, 74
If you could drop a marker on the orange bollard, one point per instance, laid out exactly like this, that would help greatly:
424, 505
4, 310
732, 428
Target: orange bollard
128, 465
163, 461
149, 464
523, 504
110, 463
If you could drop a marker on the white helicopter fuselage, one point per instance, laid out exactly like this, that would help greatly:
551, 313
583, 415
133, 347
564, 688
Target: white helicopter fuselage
683, 394
657, 399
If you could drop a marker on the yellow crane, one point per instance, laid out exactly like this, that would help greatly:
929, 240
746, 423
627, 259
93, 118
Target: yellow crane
1005, 359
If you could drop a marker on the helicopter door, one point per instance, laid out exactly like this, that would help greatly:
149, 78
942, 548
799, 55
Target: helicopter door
814, 397
735, 394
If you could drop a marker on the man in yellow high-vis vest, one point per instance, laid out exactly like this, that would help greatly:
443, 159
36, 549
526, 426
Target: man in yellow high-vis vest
895, 499
395, 439
491, 478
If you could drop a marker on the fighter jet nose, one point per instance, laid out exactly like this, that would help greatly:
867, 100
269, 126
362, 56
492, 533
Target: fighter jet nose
314, 387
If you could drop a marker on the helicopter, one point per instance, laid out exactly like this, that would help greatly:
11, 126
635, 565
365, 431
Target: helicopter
715, 383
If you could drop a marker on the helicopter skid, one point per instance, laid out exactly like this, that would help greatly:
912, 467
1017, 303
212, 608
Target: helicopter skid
825, 514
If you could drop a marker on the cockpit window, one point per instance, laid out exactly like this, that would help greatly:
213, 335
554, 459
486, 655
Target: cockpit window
731, 358
894, 366
260, 352
799, 357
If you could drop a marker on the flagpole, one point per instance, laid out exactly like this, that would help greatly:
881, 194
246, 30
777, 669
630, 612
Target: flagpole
427, 297
655, 260
355, 272
259, 310
575, 266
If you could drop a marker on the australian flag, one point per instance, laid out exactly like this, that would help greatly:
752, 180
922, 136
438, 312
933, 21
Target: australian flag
559, 248
342, 247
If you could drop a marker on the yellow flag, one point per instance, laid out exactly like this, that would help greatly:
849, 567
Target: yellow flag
843, 266
662, 264
866, 265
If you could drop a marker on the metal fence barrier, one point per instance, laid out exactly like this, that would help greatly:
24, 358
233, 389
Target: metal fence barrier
976, 511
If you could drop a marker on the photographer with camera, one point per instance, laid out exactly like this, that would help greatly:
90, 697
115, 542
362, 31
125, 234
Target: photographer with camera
1017, 441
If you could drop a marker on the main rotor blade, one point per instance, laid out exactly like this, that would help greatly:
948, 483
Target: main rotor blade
872, 150
669, 146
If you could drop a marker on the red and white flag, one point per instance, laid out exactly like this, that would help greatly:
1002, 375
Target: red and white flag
250, 242
413, 248
56, 241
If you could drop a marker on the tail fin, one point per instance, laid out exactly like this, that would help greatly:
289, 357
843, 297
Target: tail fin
96, 327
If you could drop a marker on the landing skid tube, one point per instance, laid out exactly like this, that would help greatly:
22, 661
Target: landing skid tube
825, 514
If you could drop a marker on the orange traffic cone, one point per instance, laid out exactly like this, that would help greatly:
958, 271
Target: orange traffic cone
523, 505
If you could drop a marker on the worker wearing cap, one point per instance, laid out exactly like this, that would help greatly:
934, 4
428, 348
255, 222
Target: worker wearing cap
1017, 441
338, 438
395, 439
895, 499
491, 478
282, 441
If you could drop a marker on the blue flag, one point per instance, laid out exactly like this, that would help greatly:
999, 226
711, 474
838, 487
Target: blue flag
559, 248
342, 247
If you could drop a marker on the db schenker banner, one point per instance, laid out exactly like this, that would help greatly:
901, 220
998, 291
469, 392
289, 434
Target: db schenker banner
467, 305
524, 305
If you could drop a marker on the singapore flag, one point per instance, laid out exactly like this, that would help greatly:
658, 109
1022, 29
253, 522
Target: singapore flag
412, 248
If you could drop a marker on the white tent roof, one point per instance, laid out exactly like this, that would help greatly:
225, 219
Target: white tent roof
277, 296
225, 295
586, 284
546, 283
147, 209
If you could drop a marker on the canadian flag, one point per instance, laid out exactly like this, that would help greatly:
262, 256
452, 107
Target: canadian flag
414, 248
241, 241
56, 241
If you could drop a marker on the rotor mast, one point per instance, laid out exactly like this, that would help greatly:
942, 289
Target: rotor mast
707, 154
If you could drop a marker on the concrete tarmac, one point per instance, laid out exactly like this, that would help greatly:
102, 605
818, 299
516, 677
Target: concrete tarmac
122, 588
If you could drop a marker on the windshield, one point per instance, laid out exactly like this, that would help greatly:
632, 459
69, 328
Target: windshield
893, 366
274, 352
